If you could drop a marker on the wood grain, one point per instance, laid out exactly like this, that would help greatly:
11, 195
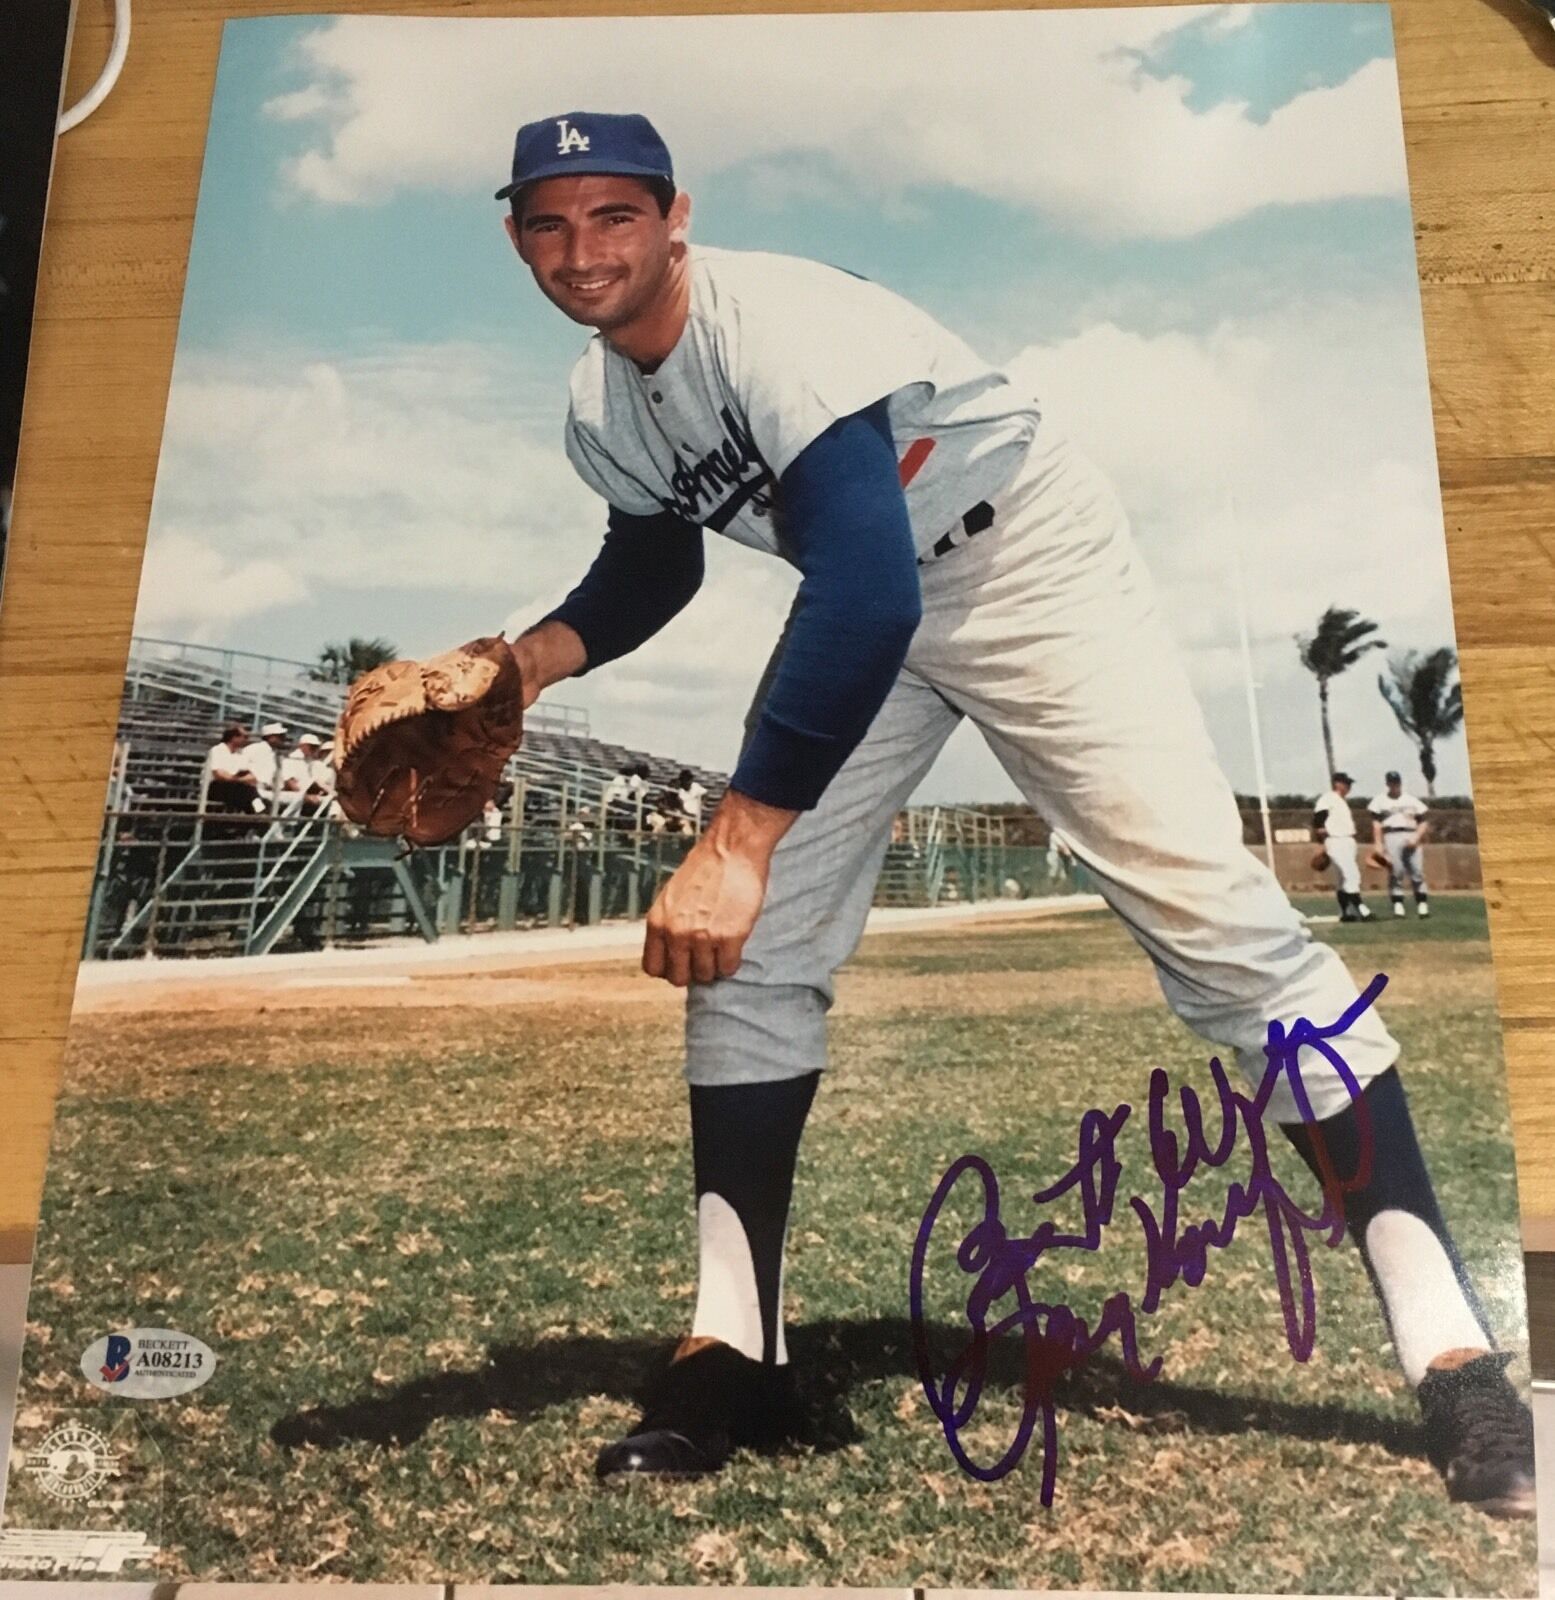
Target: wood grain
1477, 79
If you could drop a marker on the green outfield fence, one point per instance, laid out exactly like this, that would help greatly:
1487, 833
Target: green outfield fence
184, 884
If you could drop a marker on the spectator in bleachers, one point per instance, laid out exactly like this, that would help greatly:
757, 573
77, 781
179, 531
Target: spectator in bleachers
321, 790
618, 804
305, 778
666, 815
263, 758
691, 793
226, 781
491, 824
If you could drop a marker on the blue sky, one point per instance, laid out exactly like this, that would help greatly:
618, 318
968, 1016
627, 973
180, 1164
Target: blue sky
1186, 224
429, 264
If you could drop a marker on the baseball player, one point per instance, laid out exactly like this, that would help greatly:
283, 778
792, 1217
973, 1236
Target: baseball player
959, 558
1398, 830
1333, 823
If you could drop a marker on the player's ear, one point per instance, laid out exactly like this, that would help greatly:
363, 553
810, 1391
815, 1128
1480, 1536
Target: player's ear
679, 217
510, 222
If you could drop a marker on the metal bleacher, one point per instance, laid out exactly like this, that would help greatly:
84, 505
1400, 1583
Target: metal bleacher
172, 880
178, 696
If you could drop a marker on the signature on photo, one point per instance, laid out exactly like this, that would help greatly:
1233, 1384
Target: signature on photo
1056, 1340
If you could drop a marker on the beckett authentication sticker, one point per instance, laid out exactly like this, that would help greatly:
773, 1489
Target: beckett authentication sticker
960, 1051
148, 1364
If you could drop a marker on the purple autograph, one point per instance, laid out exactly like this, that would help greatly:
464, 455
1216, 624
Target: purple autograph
1055, 1339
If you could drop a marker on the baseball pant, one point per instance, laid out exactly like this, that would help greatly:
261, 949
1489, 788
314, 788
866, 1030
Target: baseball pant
1045, 630
1403, 862
1346, 864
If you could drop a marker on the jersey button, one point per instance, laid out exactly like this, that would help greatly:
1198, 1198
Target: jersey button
657, 397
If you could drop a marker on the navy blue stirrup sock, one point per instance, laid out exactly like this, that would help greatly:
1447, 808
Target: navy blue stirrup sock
1409, 1252
745, 1145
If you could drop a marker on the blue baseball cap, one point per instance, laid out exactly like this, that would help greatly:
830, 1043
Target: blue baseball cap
587, 141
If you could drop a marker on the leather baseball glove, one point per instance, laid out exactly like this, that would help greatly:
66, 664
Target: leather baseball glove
1376, 858
1320, 861
421, 745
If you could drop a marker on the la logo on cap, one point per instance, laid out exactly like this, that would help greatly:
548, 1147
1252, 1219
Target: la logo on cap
570, 141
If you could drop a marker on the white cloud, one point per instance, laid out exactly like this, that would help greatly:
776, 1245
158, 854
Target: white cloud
313, 101
1045, 110
1307, 430
1231, 19
1306, 435
403, 469
191, 590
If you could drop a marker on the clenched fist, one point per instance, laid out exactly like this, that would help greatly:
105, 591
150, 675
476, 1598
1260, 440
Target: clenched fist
699, 924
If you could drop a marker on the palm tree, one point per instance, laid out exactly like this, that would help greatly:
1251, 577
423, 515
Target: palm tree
1427, 698
1341, 638
345, 663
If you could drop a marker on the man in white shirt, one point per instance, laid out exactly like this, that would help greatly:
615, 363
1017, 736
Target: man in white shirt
1398, 830
1334, 824
263, 759
306, 777
224, 772
691, 793
491, 824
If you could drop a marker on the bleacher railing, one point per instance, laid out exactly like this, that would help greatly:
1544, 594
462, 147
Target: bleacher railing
185, 884
174, 884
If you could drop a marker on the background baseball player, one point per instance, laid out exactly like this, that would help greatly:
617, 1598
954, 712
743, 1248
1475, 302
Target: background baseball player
1334, 824
1398, 831
958, 558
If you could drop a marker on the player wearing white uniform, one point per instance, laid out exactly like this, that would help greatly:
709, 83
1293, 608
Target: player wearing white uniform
1334, 825
959, 558
1398, 830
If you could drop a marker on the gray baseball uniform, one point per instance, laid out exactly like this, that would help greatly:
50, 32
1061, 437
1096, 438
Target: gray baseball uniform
1400, 817
1041, 625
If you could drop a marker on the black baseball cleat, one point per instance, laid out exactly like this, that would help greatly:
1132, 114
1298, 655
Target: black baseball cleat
1479, 1434
708, 1403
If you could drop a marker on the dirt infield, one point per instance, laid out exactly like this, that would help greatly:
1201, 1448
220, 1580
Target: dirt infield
403, 978
873, 984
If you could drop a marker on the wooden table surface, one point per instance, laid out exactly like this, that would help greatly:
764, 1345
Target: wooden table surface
1478, 79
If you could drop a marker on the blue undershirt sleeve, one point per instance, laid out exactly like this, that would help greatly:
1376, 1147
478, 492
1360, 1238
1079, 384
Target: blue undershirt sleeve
646, 571
846, 523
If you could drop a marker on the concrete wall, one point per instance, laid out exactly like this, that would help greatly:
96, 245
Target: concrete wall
1447, 866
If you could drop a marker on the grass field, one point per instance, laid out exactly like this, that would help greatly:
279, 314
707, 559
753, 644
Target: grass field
437, 1245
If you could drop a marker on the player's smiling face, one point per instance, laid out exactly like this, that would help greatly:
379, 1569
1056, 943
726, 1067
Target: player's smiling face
601, 251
